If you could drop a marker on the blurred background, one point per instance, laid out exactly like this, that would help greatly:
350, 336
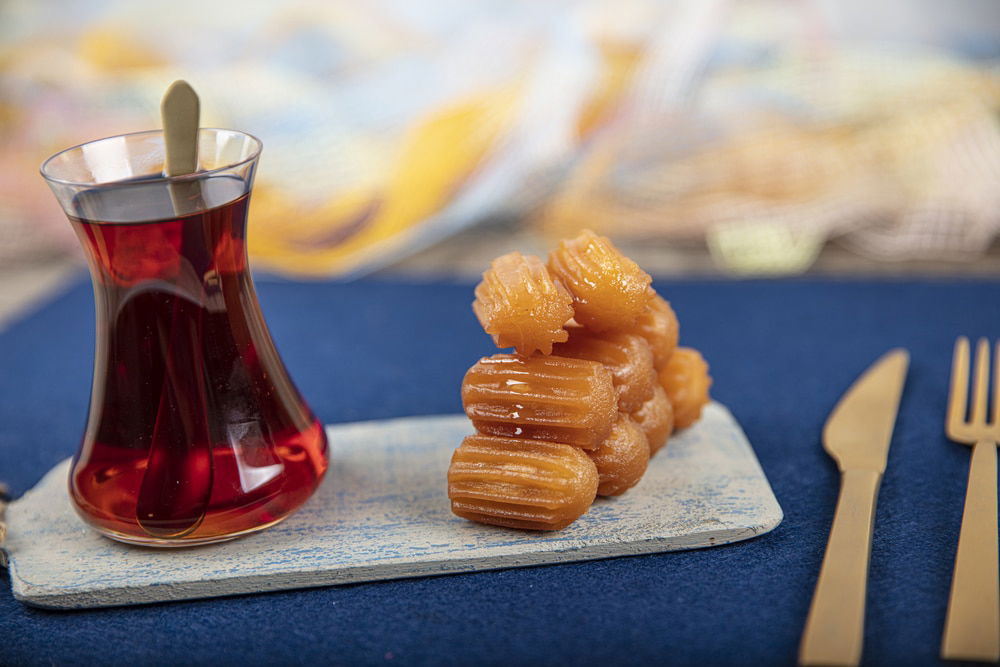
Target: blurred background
749, 137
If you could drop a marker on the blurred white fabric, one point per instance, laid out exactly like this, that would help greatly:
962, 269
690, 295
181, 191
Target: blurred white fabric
765, 127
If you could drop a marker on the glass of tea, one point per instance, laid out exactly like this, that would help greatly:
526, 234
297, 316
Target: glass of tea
195, 432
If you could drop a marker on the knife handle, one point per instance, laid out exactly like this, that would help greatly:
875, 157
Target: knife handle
972, 627
835, 626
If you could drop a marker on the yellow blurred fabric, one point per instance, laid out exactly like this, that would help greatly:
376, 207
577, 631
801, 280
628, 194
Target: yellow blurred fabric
436, 156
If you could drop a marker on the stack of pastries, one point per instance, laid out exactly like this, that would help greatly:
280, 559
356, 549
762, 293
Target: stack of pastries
596, 386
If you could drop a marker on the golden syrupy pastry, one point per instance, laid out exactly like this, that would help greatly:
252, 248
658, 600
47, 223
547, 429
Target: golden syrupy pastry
658, 325
686, 380
609, 290
597, 386
521, 305
622, 458
520, 483
558, 399
626, 355
656, 419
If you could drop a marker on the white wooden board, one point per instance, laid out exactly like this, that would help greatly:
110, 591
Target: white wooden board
382, 513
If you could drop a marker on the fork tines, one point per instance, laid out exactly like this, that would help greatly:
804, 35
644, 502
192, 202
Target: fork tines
972, 626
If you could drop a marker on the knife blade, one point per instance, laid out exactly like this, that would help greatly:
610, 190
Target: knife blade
857, 435
859, 429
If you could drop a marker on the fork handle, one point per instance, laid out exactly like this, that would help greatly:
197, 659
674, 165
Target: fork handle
835, 625
972, 627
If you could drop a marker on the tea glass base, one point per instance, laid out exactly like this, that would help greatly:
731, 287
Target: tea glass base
173, 543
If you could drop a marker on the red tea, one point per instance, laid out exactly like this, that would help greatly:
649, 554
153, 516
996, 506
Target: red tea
196, 432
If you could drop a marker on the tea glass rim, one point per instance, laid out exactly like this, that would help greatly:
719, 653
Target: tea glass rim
163, 178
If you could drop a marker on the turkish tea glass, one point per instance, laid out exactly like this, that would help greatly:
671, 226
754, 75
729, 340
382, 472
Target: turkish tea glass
195, 432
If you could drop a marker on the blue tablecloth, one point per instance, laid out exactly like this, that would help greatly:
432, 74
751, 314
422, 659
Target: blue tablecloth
782, 352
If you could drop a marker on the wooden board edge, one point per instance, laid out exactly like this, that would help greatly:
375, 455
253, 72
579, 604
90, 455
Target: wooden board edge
127, 596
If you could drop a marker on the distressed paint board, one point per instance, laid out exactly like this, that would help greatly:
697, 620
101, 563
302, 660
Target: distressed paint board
382, 513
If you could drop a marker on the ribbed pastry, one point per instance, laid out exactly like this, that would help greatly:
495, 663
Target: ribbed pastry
609, 290
626, 355
656, 419
571, 401
686, 380
658, 325
621, 459
520, 483
521, 306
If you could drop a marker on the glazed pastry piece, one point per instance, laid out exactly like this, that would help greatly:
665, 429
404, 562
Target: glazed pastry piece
686, 380
656, 419
571, 401
658, 325
621, 459
626, 355
520, 483
521, 306
609, 290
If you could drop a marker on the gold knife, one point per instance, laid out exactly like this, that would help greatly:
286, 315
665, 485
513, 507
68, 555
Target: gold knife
857, 436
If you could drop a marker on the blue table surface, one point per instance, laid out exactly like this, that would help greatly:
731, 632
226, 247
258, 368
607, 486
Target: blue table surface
782, 352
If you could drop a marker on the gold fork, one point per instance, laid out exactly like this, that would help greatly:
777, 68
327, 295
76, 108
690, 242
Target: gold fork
972, 627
